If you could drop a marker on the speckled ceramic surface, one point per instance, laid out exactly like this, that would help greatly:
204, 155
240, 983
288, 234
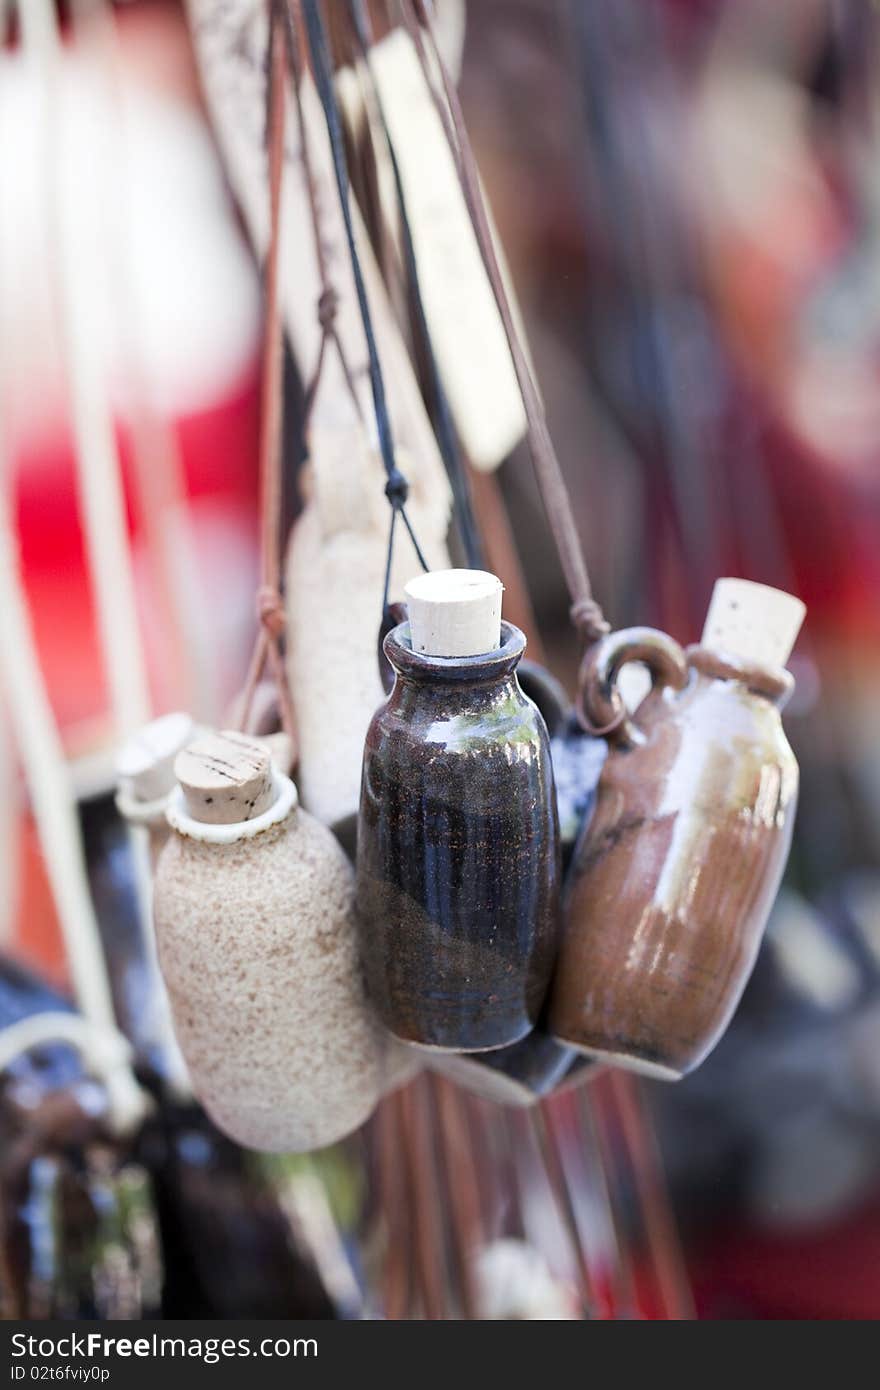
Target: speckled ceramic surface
458, 851
257, 946
675, 874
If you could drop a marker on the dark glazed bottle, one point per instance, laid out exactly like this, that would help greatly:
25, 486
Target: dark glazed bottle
674, 876
458, 850
538, 1065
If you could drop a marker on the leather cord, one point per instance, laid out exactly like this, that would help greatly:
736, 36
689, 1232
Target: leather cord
328, 299
270, 606
309, 26
585, 611
446, 437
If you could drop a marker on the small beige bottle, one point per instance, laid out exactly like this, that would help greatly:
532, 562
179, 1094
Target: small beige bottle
255, 925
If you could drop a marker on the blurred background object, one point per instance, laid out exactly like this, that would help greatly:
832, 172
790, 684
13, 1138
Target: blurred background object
688, 197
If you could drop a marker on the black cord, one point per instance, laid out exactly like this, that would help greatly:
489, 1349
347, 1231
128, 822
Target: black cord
396, 487
446, 437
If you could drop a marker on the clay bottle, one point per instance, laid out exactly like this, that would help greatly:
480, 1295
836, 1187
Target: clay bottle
254, 920
538, 1066
458, 846
674, 875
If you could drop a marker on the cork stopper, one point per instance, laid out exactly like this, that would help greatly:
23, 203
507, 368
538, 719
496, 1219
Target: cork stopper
454, 612
145, 765
225, 778
753, 622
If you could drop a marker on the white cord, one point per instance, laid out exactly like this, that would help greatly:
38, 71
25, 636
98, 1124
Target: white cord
102, 501
156, 455
31, 715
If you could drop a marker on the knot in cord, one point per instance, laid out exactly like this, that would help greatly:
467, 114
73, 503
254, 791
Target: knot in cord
397, 489
328, 305
270, 611
588, 618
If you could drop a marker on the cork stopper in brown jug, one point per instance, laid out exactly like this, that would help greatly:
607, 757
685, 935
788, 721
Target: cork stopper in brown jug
753, 622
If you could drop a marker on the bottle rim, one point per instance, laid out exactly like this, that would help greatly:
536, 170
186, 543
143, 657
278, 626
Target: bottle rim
486, 666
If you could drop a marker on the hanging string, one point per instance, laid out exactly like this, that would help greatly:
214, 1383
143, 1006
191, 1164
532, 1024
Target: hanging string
396, 486
328, 299
445, 429
585, 611
270, 607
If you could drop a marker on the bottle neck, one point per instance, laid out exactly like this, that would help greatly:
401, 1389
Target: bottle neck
772, 683
489, 668
183, 823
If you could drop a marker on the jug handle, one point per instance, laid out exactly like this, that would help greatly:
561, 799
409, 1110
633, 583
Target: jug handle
600, 706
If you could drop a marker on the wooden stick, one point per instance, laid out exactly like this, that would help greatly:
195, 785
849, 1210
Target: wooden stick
395, 1202
627, 1302
617, 1284
667, 1257
461, 1189
428, 1231
545, 1136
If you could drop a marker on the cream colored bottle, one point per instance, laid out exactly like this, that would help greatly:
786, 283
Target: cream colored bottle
254, 918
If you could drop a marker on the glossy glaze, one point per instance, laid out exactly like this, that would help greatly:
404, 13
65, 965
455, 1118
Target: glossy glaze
674, 876
458, 850
537, 1066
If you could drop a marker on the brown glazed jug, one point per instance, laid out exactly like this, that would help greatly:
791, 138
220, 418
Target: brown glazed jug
674, 875
458, 861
